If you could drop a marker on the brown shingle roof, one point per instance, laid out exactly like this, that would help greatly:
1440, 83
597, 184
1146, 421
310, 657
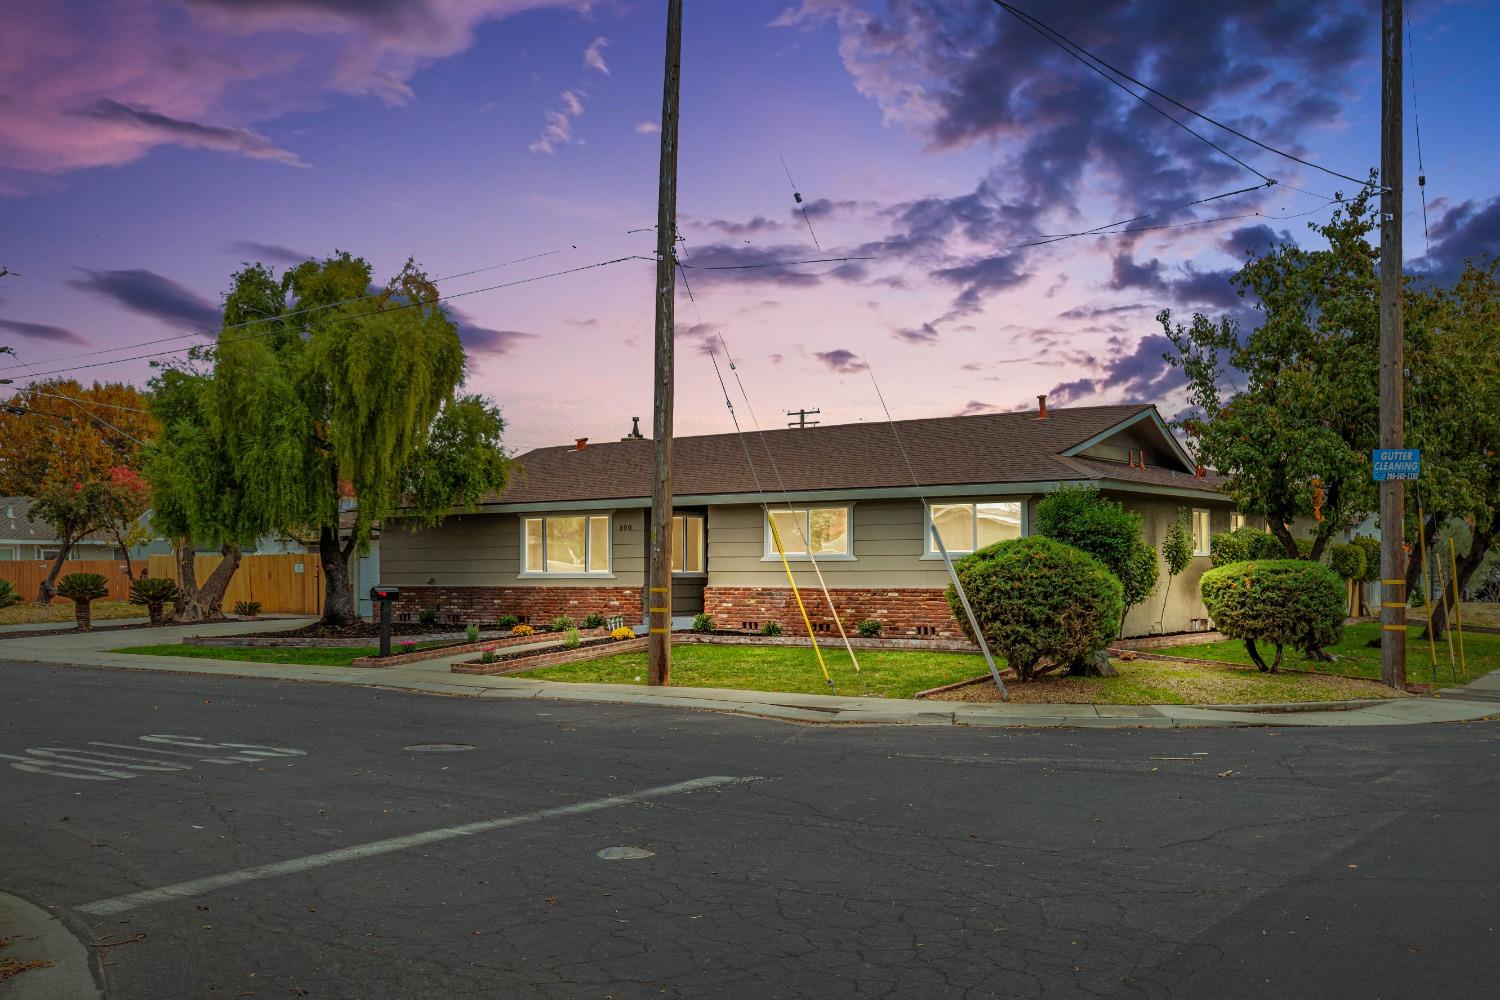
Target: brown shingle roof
944, 451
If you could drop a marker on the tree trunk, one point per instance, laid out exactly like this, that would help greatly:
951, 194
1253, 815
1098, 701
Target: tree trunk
338, 591
1161, 623
125, 551
157, 612
194, 603
83, 614
1096, 664
1284, 534
48, 589
1255, 657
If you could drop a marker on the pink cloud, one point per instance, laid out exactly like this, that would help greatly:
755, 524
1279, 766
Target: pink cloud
104, 84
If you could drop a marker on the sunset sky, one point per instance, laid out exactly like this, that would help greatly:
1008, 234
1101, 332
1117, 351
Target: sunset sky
148, 147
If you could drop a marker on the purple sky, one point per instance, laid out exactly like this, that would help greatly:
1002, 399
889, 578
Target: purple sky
149, 146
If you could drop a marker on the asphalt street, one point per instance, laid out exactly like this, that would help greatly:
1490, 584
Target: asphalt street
225, 838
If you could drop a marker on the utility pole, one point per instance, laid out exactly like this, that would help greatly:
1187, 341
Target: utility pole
1392, 361
802, 416
659, 575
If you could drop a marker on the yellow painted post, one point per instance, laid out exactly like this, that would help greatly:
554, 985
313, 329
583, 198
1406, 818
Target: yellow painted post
1458, 615
1424, 582
776, 537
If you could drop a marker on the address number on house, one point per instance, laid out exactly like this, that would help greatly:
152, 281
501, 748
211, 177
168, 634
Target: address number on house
1396, 463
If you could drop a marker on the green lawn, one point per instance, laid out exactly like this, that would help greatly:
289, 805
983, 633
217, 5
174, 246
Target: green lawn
887, 673
29, 614
1357, 660
328, 656
902, 673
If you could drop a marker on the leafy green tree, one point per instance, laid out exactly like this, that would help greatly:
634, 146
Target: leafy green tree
1177, 550
1081, 517
1295, 439
1284, 602
340, 394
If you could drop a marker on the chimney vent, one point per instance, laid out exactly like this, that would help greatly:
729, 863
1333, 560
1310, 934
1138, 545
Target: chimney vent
1199, 472
635, 430
1041, 407
582, 443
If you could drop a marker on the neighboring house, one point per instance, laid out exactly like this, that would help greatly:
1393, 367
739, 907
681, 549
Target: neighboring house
569, 535
24, 539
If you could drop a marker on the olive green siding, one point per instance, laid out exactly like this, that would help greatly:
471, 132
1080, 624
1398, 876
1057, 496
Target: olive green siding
484, 550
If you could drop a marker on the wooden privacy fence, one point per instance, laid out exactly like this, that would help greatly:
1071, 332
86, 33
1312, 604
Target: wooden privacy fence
290, 584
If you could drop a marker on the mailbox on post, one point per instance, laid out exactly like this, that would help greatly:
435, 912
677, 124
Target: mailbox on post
385, 597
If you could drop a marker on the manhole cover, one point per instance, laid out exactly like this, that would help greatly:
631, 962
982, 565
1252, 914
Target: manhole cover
438, 747
625, 853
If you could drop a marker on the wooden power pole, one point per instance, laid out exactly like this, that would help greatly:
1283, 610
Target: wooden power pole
659, 574
1392, 362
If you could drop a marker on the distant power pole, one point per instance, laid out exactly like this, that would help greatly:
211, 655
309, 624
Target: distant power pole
802, 416
1392, 361
659, 576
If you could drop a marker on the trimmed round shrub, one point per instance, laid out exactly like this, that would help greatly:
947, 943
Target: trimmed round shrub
1348, 561
1083, 518
1244, 543
703, 623
1279, 602
427, 616
1040, 604
770, 628
1371, 548
868, 629
593, 620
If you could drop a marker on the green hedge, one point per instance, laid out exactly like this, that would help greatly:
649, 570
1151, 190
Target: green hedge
1371, 549
1283, 602
1040, 603
1244, 543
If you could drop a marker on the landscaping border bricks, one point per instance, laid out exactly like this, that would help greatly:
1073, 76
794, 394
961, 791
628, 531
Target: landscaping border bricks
828, 642
551, 658
440, 652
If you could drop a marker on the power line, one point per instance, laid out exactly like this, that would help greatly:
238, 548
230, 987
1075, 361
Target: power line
1043, 241
797, 197
298, 312
776, 263
1069, 46
403, 305
1417, 122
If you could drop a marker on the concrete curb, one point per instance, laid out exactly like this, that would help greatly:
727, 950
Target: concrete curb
34, 935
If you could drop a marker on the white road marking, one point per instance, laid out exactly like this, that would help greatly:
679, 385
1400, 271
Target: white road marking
102, 765
293, 866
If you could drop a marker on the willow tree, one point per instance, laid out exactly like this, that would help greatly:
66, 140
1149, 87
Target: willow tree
335, 392
199, 495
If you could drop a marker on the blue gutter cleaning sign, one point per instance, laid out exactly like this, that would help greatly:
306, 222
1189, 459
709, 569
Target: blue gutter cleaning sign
1396, 463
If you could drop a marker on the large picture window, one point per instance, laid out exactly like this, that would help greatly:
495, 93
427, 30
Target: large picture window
565, 545
687, 544
968, 527
818, 532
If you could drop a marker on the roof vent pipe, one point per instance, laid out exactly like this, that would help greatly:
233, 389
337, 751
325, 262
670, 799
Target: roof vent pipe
635, 430
1041, 407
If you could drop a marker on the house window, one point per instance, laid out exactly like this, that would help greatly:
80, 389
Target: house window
567, 545
968, 527
1201, 532
824, 531
687, 544
1236, 521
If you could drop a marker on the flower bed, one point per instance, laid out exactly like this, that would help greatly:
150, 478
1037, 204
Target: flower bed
550, 657
437, 653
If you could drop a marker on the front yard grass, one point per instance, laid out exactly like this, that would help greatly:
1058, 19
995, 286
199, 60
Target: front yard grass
792, 669
902, 673
325, 656
62, 614
1355, 659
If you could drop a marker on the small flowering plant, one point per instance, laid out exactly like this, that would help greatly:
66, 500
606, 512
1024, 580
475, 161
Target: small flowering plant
523, 630
487, 655
408, 645
623, 632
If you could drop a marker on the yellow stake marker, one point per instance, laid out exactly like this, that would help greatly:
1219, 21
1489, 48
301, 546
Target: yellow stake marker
1458, 614
1424, 578
776, 537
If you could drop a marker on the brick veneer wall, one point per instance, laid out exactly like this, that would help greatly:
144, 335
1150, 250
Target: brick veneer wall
539, 604
901, 612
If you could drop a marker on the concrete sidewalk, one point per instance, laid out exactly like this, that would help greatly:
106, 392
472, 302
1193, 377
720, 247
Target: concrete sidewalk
1479, 700
51, 963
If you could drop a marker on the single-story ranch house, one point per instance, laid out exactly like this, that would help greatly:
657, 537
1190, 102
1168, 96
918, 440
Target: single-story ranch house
569, 534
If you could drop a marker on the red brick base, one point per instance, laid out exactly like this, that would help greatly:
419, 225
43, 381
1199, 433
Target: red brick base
902, 613
535, 604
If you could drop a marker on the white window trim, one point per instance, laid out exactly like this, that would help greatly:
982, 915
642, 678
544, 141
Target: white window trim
1209, 517
928, 554
769, 553
523, 574
693, 574
1236, 515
